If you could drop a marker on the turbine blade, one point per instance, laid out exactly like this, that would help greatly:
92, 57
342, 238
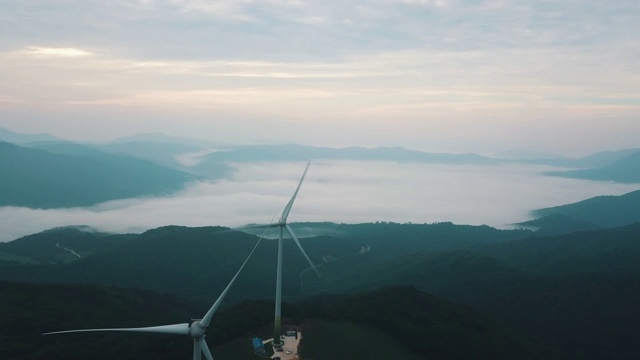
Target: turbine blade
205, 349
207, 317
295, 238
250, 226
179, 329
287, 209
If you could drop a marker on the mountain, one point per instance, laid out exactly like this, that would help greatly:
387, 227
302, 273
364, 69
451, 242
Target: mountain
140, 260
20, 138
593, 213
596, 160
161, 153
28, 310
578, 292
41, 179
606, 251
428, 326
625, 170
62, 245
172, 259
217, 161
557, 224
169, 139
293, 152
65, 148
420, 323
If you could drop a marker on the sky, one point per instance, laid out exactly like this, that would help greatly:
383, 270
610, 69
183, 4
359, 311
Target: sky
485, 76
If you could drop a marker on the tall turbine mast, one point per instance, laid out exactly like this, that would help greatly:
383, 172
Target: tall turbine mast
282, 223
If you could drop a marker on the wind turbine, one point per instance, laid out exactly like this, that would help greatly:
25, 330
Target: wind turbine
195, 329
282, 224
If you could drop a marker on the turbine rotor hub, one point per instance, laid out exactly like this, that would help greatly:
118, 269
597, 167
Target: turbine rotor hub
196, 329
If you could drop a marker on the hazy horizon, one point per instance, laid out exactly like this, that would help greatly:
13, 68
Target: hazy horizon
486, 76
209, 145
335, 191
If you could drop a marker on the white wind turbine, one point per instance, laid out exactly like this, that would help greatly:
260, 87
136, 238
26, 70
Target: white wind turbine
282, 223
195, 329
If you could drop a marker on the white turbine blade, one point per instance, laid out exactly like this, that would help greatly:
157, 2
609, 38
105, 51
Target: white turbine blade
205, 349
287, 209
295, 239
207, 317
179, 329
251, 226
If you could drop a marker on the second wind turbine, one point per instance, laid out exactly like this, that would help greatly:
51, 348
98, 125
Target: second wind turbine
282, 224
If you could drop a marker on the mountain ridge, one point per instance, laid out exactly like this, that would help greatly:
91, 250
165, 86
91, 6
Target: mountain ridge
604, 211
624, 170
40, 179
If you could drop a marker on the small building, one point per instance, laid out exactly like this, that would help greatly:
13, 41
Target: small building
258, 346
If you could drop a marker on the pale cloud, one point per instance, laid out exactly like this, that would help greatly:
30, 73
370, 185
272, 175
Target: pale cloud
511, 92
245, 10
434, 3
312, 20
224, 10
56, 52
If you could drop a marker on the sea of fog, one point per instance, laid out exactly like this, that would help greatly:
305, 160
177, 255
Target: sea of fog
337, 191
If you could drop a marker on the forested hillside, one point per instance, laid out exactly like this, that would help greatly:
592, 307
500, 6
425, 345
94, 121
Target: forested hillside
593, 213
41, 179
577, 292
428, 327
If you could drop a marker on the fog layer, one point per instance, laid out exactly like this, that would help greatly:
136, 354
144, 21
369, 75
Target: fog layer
341, 191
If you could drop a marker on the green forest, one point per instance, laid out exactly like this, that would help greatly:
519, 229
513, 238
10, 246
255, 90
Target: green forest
442, 291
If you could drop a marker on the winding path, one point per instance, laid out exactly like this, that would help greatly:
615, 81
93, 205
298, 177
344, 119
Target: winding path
69, 250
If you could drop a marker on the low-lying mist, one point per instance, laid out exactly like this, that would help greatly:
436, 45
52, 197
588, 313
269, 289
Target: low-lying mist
337, 191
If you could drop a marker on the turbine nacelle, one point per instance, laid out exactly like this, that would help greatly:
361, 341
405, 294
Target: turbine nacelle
196, 330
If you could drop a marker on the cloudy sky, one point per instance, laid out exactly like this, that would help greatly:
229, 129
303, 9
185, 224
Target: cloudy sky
436, 75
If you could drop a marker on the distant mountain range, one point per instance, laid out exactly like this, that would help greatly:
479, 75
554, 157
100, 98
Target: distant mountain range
20, 138
66, 174
41, 179
624, 170
163, 154
293, 152
156, 146
595, 160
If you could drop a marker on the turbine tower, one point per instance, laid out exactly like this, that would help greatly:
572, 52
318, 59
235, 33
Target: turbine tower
196, 329
282, 224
